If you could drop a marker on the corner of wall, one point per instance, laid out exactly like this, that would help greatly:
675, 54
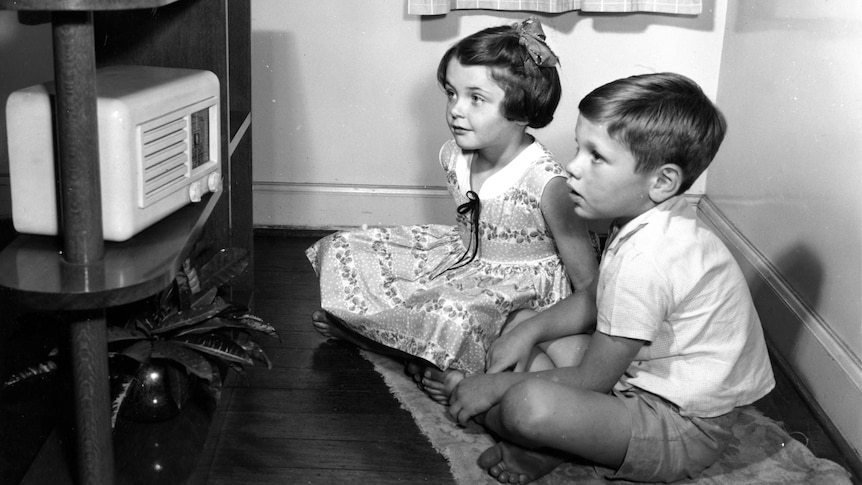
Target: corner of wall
824, 370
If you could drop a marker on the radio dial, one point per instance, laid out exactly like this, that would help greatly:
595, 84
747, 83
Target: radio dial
214, 182
195, 191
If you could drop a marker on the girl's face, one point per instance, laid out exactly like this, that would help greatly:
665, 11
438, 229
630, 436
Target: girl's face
474, 109
603, 181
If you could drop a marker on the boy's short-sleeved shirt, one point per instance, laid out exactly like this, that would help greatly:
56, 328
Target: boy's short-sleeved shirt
667, 279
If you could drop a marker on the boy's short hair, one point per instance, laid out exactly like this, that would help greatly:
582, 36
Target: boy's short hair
661, 118
532, 92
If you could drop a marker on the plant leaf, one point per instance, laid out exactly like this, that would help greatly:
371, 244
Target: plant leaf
190, 317
211, 325
194, 362
139, 351
224, 266
218, 346
144, 323
40, 369
117, 333
123, 388
252, 322
256, 352
204, 298
178, 384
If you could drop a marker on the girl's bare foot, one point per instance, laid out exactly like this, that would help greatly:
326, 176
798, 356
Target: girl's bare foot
438, 384
509, 463
322, 323
332, 327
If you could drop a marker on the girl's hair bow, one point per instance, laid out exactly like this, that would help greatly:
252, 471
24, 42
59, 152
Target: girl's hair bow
533, 38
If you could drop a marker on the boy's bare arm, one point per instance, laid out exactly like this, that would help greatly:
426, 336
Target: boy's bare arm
605, 361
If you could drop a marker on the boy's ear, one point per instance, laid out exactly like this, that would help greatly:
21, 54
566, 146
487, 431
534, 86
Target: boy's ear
668, 179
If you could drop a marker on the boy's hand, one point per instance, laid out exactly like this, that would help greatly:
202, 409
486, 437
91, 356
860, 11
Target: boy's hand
477, 393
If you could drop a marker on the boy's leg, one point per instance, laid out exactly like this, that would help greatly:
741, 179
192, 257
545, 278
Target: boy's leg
537, 416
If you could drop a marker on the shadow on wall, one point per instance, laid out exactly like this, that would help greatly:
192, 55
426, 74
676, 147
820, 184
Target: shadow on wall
798, 263
276, 53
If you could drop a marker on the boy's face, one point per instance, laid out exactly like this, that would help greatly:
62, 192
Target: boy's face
602, 179
474, 108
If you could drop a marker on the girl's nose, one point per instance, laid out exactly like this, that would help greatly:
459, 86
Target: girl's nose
455, 109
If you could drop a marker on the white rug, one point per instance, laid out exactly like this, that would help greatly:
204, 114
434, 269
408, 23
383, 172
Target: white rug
761, 453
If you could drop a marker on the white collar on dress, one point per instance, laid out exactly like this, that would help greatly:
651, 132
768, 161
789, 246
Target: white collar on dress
503, 179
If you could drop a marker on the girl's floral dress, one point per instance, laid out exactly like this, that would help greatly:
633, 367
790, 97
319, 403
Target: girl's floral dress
404, 286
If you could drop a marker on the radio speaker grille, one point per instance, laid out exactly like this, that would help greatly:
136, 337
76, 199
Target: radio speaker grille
165, 155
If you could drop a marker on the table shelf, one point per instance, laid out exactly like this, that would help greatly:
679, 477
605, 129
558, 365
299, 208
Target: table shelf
33, 266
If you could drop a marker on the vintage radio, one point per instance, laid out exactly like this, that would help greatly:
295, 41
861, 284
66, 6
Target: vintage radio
159, 148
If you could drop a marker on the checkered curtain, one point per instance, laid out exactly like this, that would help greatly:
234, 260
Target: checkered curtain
438, 7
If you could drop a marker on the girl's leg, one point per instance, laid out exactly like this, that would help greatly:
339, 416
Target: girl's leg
439, 384
562, 352
332, 327
542, 423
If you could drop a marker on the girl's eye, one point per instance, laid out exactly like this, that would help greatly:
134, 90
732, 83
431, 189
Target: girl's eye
476, 99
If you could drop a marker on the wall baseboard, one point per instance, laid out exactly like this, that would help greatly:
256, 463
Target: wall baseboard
825, 371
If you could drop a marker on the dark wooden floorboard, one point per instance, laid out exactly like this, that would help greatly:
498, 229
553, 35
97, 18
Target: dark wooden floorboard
321, 414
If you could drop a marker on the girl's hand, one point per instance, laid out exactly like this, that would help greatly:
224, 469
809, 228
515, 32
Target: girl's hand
509, 352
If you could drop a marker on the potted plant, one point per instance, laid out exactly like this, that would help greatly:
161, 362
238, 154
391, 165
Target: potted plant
184, 335
184, 338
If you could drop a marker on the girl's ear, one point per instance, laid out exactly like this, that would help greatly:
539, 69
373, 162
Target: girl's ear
668, 180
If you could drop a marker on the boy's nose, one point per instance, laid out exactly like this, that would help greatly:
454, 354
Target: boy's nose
574, 168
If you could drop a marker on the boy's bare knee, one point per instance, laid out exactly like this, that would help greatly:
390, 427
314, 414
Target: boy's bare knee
525, 408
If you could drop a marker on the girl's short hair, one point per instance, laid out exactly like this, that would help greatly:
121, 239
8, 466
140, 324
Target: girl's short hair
532, 92
661, 118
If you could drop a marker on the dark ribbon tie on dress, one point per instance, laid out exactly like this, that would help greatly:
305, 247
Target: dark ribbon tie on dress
473, 207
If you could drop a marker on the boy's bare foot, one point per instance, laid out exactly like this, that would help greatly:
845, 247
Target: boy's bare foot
509, 463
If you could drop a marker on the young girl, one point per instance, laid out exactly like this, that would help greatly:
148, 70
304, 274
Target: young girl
439, 296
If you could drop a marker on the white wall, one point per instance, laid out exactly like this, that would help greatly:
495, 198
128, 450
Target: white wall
26, 57
348, 118
788, 178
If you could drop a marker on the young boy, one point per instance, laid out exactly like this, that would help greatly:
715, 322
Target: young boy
678, 346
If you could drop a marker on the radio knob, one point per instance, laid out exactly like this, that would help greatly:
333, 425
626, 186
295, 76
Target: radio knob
195, 192
214, 181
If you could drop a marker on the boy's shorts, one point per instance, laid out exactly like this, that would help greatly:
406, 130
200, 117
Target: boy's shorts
666, 446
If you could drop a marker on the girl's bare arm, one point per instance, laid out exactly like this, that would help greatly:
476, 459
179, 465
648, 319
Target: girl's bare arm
573, 315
